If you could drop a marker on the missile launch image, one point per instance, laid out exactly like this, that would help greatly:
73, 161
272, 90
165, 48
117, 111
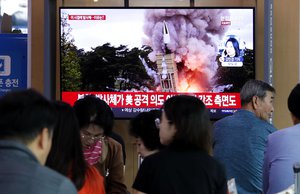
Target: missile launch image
181, 46
139, 56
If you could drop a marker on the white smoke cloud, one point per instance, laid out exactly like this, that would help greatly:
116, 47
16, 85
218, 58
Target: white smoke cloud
193, 35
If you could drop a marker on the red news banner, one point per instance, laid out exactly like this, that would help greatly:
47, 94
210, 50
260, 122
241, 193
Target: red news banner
155, 99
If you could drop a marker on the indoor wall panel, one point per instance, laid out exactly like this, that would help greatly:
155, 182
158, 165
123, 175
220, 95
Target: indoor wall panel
286, 57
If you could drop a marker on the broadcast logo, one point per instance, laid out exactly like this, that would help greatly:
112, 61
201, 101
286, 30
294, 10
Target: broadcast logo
5, 65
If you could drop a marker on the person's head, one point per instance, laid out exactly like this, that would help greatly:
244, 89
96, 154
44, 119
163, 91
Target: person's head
95, 118
294, 103
185, 123
66, 155
232, 48
144, 128
258, 96
29, 118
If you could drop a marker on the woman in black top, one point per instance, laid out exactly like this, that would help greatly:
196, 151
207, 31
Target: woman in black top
185, 166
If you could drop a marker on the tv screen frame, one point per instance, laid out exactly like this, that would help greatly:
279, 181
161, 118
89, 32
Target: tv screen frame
166, 49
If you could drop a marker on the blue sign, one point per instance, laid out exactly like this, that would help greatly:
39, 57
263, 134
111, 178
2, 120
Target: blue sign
2, 63
13, 62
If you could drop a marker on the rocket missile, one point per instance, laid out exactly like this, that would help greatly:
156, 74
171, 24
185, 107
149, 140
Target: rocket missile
166, 34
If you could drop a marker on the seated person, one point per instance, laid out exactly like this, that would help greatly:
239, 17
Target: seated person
26, 126
239, 140
282, 150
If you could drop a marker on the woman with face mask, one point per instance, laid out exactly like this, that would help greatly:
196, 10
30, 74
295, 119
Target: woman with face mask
96, 122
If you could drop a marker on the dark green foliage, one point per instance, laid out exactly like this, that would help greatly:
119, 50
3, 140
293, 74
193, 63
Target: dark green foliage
105, 68
70, 68
108, 68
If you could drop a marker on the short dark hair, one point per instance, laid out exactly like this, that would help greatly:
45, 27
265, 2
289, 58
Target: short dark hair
294, 101
254, 88
143, 126
66, 154
24, 114
91, 109
191, 119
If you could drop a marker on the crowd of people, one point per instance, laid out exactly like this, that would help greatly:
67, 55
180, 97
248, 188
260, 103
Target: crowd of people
51, 147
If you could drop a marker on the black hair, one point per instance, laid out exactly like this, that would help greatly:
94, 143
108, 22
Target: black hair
144, 127
294, 101
91, 109
24, 114
191, 120
66, 154
235, 45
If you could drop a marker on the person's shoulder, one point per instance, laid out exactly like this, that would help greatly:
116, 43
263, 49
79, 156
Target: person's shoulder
113, 143
224, 121
259, 123
284, 133
158, 156
55, 180
154, 161
51, 175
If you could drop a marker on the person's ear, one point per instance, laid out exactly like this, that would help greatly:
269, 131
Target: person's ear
41, 145
294, 119
44, 139
173, 129
255, 102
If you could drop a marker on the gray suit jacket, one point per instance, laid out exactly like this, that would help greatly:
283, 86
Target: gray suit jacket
20, 172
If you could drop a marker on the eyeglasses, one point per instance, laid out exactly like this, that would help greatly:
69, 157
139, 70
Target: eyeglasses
87, 135
92, 137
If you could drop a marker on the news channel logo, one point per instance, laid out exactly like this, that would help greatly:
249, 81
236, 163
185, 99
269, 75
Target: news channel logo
5, 65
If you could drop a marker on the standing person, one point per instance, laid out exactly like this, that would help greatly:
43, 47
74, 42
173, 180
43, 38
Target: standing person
66, 155
145, 129
239, 140
282, 150
96, 122
26, 125
185, 165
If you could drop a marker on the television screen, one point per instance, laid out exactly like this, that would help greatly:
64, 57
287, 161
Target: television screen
135, 58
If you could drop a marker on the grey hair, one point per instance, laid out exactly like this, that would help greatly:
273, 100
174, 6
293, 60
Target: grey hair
254, 88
